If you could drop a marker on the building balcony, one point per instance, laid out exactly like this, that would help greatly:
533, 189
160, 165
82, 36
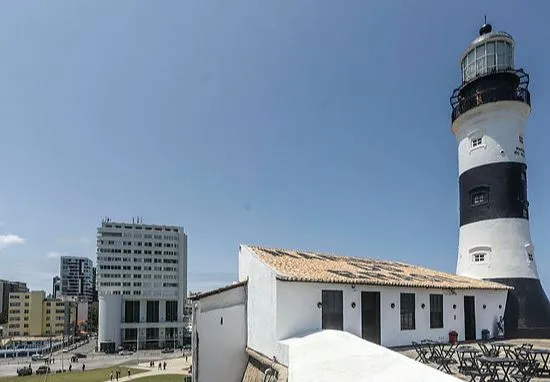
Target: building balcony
510, 85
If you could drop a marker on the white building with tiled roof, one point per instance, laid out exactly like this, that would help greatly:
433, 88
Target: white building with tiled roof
244, 331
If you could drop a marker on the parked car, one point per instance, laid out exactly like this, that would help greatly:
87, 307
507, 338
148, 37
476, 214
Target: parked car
80, 355
24, 371
36, 357
125, 352
65, 350
43, 370
167, 350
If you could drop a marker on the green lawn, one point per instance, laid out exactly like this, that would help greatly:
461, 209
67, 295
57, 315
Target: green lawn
162, 378
95, 375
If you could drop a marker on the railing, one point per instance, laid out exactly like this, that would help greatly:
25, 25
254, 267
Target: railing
490, 95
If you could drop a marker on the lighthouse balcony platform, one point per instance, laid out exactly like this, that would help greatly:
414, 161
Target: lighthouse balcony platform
508, 85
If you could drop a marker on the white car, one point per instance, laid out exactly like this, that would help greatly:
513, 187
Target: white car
125, 352
36, 357
65, 350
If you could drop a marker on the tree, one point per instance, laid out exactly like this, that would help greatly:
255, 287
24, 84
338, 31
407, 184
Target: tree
3, 317
92, 317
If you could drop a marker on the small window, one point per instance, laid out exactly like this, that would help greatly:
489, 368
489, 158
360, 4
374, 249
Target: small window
476, 142
520, 139
407, 306
436, 311
530, 256
478, 257
479, 196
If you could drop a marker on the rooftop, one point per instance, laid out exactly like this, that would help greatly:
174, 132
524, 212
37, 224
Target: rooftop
234, 285
291, 265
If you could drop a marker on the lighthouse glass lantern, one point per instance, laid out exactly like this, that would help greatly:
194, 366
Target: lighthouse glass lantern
489, 112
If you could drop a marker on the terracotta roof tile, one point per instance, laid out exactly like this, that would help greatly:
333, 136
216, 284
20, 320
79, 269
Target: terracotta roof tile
292, 265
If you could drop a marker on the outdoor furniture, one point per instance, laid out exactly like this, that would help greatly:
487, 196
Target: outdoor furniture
466, 358
499, 346
477, 372
543, 369
526, 370
442, 355
494, 365
487, 351
422, 354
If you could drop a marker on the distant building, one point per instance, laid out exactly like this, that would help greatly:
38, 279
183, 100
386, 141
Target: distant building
283, 295
94, 284
7, 287
56, 287
76, 277
142, 284
32, 314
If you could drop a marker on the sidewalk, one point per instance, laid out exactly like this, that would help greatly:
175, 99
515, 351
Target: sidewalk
173, 366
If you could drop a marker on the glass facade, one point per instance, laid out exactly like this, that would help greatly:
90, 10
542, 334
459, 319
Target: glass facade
487, 57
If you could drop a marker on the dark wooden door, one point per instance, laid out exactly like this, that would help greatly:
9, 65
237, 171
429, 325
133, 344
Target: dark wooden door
370, 316
469, 318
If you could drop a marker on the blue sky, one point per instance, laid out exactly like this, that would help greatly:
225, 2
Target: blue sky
304, 124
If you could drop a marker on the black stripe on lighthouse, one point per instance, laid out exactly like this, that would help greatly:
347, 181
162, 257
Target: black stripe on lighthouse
493, 191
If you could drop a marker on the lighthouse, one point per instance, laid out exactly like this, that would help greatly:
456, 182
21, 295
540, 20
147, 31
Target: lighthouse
489, 112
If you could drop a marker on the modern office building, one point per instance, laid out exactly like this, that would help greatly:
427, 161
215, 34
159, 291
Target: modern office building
56, 286
76, 277
32, 314
142, 284
7, 287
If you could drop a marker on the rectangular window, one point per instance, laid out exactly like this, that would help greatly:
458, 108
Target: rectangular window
530, 256
520, 139
436, 311
152, 311
476, 142
480, 197
131, 311
407, 305
332, 310
479, 257
171, 311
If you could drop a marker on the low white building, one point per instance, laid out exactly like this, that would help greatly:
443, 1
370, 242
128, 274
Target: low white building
246, 329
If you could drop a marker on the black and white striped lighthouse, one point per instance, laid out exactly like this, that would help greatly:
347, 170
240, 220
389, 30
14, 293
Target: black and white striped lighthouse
490, 109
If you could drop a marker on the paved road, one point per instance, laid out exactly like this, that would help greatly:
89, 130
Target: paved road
94, 360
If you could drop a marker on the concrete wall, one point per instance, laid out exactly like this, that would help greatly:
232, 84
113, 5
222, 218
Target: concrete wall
298, 312
220, 327
262, 302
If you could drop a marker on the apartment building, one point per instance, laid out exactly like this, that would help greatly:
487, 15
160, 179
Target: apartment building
76, 277
7, 287
32, 314
141, 283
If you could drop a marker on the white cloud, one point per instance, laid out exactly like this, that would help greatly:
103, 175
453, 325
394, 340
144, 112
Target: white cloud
55, 255
73, 240
7, 240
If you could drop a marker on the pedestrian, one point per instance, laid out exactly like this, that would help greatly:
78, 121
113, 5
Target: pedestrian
117, 374
111, 375
129, 373
164, 365
83, 366
70, 367
160, 365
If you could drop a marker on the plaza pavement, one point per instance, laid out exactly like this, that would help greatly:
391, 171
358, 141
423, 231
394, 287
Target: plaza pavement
173, 366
